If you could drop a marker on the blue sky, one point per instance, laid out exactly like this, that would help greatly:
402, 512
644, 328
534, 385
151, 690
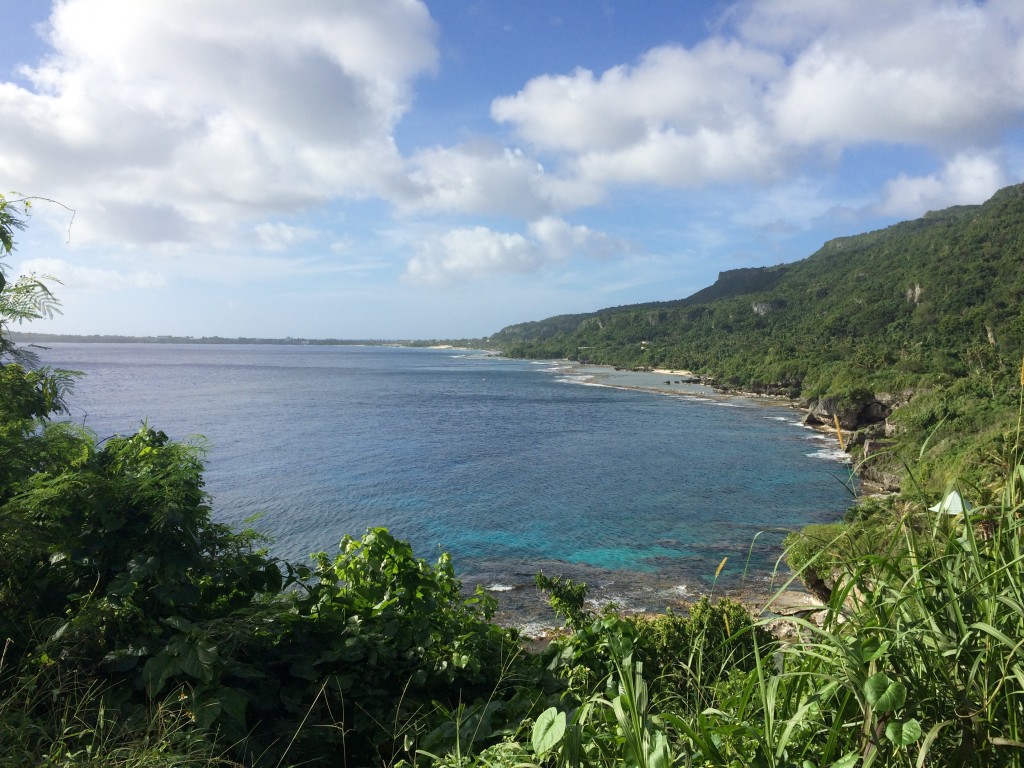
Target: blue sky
441, 169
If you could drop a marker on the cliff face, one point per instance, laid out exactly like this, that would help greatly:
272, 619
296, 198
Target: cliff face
739, 282
867, 433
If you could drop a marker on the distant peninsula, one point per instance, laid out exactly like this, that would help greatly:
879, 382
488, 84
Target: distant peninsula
24, 337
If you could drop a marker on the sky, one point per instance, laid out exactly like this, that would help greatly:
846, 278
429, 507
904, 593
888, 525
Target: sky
399, 169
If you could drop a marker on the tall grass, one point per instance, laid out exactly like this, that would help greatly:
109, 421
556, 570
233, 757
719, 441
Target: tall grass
49, 719
917, 661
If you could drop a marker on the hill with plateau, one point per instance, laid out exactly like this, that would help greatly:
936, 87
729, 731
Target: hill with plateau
908, 334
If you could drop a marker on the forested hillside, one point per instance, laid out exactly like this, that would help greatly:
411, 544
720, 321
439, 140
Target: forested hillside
928, 311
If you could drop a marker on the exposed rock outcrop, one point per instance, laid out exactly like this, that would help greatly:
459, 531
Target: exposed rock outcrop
824, 411
866, 425
855, 415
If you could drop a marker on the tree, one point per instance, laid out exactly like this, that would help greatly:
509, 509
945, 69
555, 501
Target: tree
28, 297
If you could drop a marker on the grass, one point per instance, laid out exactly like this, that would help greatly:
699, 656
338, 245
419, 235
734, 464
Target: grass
51, 721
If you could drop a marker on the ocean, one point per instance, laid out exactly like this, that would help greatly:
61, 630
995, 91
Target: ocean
635, 483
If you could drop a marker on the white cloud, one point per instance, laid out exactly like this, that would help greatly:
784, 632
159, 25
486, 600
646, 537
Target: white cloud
670, 89
744, 152
483, 178
932, 73
800, 81
174, 115
679, 117
967, 178
77, 277
472, 253
279, 236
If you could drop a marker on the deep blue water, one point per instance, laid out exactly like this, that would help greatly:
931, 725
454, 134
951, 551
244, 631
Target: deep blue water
511, 466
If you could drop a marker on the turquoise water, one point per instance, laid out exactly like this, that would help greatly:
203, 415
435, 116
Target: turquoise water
511, 466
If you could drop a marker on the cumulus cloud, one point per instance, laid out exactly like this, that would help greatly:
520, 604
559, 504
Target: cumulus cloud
486, 178
743, 153
194, 112
471, 253
932, 73
671, 88
679, 117
967, 178
784, 83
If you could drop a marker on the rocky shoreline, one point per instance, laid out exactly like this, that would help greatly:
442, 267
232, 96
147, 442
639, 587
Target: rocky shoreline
776, 611
859, 428
862, 427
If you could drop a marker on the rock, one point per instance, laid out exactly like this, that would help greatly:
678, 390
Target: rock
865, 435
881, 470
874, 412
825, 410
816, 585
895, 399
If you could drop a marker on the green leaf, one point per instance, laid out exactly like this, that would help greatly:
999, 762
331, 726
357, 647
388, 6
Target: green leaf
883, 694
659, 756
179, 623
848, 760
548, 731
232, 703
157, 670
903, 733
873, 649
199, 659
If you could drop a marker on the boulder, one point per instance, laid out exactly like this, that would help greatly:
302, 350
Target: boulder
865, 435
825, 410
880, 470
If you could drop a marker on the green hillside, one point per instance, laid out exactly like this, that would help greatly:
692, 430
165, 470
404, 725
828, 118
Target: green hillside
928, 310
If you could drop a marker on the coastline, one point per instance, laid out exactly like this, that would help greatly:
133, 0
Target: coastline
688, 383
773, 607
773, 601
